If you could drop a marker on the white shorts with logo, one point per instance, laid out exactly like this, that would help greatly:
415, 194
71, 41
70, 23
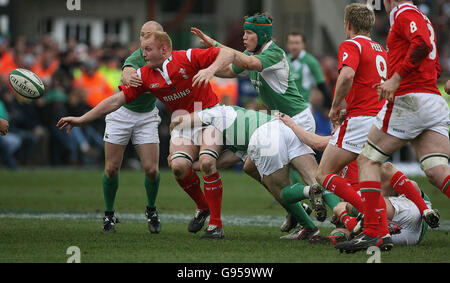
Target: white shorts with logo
352, 133
412, 114
124, 124
408, 216
192, 134
274, 145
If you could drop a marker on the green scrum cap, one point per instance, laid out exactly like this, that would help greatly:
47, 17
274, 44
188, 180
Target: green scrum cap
262, 26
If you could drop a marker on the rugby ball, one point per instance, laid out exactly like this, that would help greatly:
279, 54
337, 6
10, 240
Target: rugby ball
26, 83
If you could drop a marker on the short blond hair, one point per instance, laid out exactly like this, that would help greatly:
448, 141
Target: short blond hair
361, 17
161, 37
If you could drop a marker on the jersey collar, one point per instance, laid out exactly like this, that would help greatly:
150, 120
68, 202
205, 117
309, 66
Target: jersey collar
362, 36
164, 72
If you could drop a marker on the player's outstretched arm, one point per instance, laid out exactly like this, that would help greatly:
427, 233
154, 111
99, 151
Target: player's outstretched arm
447, 87
314, 141
241, 60
105, 107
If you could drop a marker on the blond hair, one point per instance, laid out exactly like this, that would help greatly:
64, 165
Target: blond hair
161, 37
361, 17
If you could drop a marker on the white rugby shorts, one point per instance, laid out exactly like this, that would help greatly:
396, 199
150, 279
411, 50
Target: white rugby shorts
124, 124
352, 133
274, 145
413, 113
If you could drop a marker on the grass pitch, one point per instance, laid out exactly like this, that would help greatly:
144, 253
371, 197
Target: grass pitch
31, 193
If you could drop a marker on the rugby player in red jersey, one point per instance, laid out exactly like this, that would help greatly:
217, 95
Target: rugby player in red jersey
180, 80
414, 112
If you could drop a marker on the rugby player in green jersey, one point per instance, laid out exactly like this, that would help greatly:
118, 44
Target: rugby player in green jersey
269, 71
270, 144
138, 121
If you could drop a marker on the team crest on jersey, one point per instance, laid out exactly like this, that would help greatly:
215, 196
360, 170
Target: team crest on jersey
182, 71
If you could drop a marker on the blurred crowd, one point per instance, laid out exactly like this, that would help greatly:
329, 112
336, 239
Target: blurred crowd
77, 77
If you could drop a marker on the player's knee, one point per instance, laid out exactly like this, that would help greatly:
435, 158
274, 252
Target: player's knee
111, 171
151, 171
180, 168
248, 168
207, 165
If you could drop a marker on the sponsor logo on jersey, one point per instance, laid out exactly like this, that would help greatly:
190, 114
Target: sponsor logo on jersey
177, 95
154, 85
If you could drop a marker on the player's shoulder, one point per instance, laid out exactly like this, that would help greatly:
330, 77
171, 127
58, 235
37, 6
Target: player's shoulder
407, 13
351, 44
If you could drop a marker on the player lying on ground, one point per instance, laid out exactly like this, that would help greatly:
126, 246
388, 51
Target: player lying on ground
180, 80
414, 112
270, 144
402, 188
407, 226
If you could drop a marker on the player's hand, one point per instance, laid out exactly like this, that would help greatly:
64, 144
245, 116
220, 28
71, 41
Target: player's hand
175, 122
4, 126
135, 81
287, 120
202, 77
387, 89
69, 122
447, 87
204, 39
335, 115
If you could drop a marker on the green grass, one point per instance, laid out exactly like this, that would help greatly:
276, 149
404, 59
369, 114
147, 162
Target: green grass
25, 240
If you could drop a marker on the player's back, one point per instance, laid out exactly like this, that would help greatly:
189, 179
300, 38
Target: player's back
368, 59
410, 26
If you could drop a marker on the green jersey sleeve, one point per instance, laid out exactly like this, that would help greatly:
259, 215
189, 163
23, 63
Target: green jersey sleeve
135, 60
315, 68
270, 57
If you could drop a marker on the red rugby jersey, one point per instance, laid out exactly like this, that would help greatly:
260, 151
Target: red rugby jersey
369, 61
173, 84
412, 33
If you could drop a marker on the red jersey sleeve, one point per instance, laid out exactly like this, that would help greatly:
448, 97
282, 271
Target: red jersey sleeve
203, 58
415, 29
131, 93
349, 55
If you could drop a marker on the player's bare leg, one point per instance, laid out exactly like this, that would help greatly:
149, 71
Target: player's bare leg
334, 159
113, 161
213, 189
375, 232
306, 166
251, 170
149, 156
275, 184
182, 152
434, 145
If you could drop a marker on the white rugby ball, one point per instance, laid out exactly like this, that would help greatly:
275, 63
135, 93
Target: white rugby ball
26, 83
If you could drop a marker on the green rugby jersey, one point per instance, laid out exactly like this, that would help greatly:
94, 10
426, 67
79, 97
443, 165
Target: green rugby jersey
145, 102
275, 84
306, 72
237, 124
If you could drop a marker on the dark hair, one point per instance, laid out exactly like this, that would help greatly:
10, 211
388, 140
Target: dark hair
297, 33
264, 14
